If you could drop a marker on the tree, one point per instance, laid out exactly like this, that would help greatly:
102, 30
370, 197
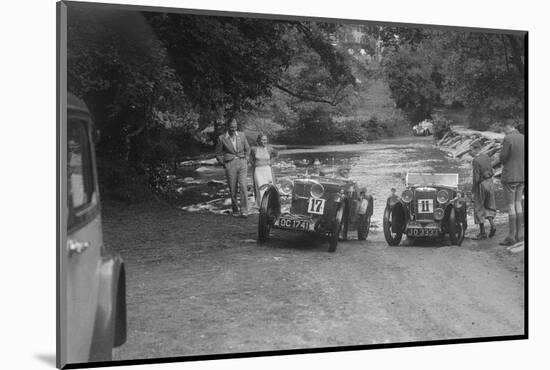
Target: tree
225, 64
414, 79
122, 71
318, 72
482, 71
486, 72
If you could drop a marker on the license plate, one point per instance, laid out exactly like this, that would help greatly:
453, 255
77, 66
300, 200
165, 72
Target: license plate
418, 231
425, 205
289, 223
316, 205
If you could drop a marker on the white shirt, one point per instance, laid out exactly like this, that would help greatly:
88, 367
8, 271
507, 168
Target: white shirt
233, 140
363, 207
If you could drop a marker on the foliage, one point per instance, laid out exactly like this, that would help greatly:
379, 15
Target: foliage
376, 128
225, 64
441, 125
318, 71
351, 132
413, 79
314, 126
484, 72
123, 181
124, 74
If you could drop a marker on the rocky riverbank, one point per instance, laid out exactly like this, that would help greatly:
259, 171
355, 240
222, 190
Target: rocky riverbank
457, 141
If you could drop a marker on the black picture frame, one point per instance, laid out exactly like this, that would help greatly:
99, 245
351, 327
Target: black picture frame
62, 191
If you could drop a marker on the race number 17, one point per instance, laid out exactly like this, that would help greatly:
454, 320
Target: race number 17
316, 205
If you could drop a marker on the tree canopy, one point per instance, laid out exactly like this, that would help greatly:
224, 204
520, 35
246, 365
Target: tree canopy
483, 71
141, 70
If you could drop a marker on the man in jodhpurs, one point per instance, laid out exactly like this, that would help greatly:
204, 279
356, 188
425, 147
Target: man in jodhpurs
232, 152
513, 161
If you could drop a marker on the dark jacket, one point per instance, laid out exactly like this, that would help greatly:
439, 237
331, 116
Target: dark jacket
512, 158
225, 152
482, 169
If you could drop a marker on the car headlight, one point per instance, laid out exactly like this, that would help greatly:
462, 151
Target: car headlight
443, 196
438, 214
407, 196
286, 186
317, 190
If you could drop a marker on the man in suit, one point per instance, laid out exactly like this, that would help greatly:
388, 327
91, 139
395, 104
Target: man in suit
512, 158
232, 152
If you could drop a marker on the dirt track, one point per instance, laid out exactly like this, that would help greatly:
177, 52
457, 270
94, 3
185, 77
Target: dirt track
200, 284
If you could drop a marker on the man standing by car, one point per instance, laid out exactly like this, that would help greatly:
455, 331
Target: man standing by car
232, 152
512, 158
483, 190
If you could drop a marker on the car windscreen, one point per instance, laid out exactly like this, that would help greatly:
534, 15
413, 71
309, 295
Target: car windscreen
432, 179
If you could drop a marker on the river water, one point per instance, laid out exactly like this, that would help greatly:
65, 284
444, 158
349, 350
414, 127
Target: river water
378, 165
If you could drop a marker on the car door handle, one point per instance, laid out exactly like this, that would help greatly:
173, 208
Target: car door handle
74, 246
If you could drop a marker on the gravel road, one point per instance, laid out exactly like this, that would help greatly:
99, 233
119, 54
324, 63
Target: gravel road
200, 284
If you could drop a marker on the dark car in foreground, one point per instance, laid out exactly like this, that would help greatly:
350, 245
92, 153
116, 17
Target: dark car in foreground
324, 205
92, 285
430, 206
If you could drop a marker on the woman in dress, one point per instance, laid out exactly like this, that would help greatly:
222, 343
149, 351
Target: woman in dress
260, 158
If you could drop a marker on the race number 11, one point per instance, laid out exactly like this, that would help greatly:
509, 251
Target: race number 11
425, 205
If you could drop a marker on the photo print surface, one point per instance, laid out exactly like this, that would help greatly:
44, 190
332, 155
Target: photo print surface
239, 184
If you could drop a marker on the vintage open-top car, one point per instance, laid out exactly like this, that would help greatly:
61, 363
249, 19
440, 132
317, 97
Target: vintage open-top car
324, 205
424, 128
430, 206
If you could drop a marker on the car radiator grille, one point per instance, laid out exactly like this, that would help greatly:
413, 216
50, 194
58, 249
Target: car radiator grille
424, 194
299, 206
301, 189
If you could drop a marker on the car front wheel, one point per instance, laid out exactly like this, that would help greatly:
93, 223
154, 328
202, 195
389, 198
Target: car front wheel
267, 210
456, 230
393, 238
333, 241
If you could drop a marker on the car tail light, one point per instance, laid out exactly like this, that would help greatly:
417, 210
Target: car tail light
438, 214
317, 190
407, 196
443, 196
286, 186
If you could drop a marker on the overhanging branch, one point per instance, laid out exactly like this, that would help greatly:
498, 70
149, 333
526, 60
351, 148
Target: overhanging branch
334, 101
